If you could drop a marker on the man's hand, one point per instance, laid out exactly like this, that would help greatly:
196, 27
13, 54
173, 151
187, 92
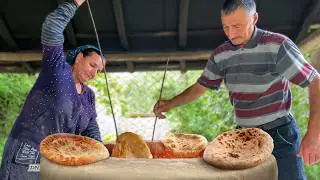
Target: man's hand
160, 107
188, 95
310, 145
310, 149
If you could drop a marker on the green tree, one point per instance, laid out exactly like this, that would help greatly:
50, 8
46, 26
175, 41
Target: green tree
13, 91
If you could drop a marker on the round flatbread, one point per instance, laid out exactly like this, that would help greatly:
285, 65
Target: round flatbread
156, 147
185, 145
131, 145
239, 149
72, 150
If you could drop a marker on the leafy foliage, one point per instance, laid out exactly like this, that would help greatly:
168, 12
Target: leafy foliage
210, 115
13, 91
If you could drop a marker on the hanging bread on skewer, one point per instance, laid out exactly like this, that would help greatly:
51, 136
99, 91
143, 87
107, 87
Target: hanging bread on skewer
131, 145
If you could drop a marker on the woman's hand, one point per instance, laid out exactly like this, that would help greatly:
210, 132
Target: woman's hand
79, 2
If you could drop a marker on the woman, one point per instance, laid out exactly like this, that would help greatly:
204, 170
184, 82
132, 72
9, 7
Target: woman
59, 100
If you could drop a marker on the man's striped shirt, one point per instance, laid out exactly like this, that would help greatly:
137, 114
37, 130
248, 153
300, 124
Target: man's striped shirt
257, 76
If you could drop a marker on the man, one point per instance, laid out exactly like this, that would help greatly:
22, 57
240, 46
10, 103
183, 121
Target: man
256, 67
59, 100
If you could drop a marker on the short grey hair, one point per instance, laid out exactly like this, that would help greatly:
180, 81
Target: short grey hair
229, 6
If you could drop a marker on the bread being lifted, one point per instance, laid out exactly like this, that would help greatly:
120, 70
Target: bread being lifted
131, 145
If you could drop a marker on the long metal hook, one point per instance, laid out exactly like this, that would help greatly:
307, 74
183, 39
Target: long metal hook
104, 69
160, 96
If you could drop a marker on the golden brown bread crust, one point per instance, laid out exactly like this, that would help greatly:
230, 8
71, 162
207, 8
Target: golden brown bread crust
239, 149
185, 145
157, 149
131, 145
192, 146
72, 150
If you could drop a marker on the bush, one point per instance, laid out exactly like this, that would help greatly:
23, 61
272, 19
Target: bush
13, 91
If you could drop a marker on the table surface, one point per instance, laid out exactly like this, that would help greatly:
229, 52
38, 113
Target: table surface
192, 168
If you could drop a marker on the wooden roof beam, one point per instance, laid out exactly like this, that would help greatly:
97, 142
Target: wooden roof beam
171, 33
28, 67
202, 32
172, 66
183, 23
135, 57
71, 35
139, 67
118, 14
130, 66
312, 14
69, 31
183, 66
6, 35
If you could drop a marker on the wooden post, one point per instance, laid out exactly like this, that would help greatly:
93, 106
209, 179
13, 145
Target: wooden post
316, 59
311, 43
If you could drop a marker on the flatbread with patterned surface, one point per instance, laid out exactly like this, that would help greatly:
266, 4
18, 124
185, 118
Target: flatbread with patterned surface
185, 145
239, 149
72, 150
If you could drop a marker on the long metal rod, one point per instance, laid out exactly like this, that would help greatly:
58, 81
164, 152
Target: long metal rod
160, 96
104, 69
